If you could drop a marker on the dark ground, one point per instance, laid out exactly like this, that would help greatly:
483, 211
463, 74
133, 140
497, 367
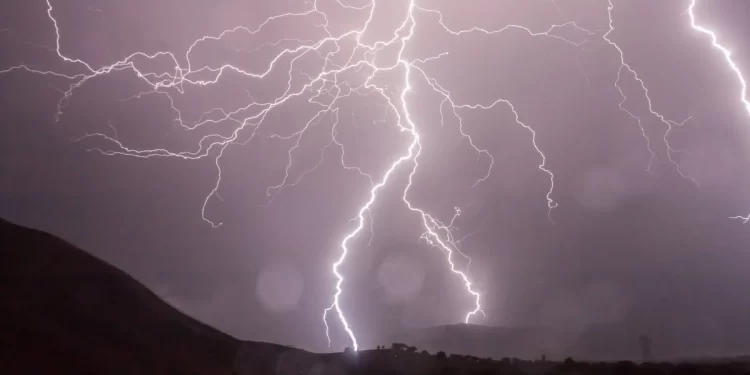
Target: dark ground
62, 311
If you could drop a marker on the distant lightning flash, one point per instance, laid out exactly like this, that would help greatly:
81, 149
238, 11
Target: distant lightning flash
732, 65
325, 89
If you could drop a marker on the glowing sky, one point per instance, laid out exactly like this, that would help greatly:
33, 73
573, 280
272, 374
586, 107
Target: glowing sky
241, 158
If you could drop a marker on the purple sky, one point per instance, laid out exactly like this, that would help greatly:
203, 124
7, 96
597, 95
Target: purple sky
651, 252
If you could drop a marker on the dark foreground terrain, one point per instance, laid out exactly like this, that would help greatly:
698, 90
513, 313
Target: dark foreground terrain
62, 311
610, 342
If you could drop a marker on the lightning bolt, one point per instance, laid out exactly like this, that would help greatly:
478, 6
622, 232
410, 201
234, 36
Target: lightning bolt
342, 55
624, 66
732, 65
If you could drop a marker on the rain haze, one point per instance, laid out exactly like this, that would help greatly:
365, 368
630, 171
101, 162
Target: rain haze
235, 212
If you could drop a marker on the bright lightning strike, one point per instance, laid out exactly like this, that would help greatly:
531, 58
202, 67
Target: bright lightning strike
326, 90
732, 65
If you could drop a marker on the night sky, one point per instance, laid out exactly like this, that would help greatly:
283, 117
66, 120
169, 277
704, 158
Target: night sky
652, 252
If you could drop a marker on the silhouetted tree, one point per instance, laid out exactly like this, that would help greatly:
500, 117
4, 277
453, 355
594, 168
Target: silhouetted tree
441, 355
568, 364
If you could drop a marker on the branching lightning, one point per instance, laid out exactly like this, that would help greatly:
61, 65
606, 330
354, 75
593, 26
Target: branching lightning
668, 123
325, 90
732, 65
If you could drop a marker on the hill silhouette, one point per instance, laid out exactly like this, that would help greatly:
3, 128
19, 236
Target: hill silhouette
65, 311
62, 308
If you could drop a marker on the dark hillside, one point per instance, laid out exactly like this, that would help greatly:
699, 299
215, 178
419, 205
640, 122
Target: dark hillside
65, 311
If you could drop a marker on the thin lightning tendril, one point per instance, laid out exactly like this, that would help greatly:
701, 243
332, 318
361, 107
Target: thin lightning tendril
326, 90
668, 123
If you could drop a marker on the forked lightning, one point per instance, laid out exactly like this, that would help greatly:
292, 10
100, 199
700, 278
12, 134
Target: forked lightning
326, 89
